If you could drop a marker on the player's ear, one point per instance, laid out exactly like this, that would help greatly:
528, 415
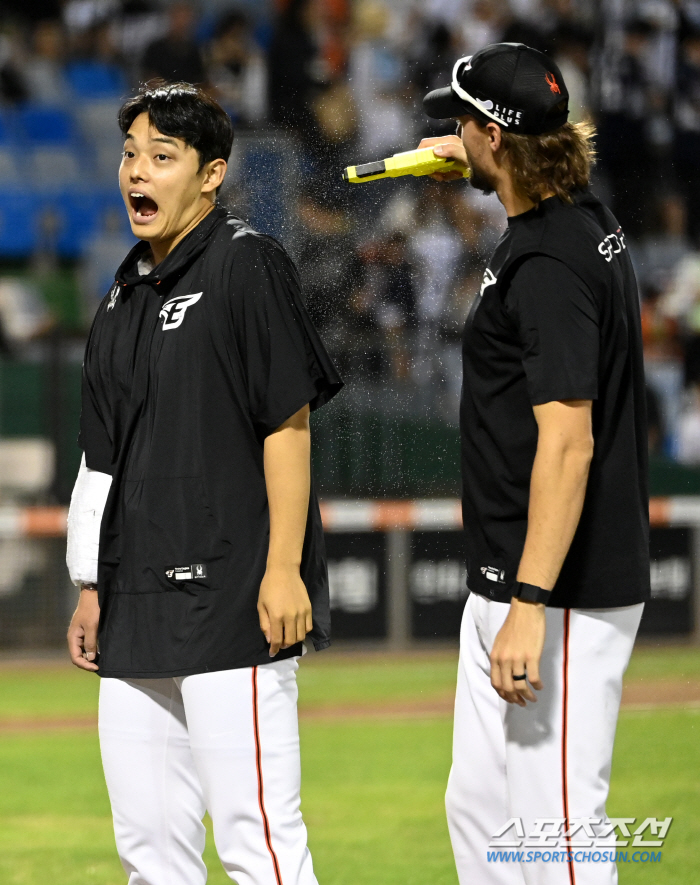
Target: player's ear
214, 173
494, 134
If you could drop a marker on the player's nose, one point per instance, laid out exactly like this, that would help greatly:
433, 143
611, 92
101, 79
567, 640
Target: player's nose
138, 170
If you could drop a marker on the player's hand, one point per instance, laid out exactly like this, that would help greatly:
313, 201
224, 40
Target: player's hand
448, 147
284, 608
82, 632
517, 649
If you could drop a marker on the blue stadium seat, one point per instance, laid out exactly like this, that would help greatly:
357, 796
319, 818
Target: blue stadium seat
98, 119
18, 231
109, 201
75, 217
98, 123
5, 129
10, 166
52, 148
55, 166
46, 125
94, 79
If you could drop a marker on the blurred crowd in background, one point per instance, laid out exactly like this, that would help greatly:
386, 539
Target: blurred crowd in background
389, 268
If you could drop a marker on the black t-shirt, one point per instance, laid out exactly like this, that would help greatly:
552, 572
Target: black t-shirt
557, 318
187, 369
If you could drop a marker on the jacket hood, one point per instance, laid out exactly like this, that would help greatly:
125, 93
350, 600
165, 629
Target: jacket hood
182, 255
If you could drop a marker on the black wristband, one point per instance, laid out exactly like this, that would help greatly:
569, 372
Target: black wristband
531, 593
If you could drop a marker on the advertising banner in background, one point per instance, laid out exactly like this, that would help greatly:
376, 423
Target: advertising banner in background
437, 584
380, 590
357, 577
670, 610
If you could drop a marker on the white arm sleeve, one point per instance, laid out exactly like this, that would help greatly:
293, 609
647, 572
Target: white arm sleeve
87, 504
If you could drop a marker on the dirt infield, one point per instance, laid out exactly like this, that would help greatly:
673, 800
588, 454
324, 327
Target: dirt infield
661, 693
636, 696
642, 691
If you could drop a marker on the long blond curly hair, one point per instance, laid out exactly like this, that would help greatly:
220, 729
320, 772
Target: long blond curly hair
558, 161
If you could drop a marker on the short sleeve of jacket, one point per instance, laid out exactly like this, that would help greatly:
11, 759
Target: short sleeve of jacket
558, 324
285, 363
94, 437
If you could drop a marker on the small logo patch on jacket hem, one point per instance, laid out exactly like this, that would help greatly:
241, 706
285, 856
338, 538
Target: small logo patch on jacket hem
186, 572
493, 574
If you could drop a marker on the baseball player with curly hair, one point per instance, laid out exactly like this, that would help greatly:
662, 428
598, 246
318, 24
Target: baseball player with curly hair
554, 466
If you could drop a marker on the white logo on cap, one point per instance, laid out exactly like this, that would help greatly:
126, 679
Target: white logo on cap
503, 116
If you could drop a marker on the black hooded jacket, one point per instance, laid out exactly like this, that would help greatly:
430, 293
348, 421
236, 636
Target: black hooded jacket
187, 369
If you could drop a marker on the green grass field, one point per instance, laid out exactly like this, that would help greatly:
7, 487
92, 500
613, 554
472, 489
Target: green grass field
373, 785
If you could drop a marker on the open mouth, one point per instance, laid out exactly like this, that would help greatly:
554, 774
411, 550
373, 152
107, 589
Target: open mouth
143, 207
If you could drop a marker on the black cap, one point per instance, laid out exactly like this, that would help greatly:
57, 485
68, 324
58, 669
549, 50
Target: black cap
511, 84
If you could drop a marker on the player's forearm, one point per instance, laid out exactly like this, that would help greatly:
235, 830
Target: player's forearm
557, 491
287, 459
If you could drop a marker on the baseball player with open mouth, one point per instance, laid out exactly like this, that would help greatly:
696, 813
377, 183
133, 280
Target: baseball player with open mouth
194, 530
554, 466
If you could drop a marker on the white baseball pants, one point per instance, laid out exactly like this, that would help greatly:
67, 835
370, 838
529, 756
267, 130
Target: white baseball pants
550, 759
225, 742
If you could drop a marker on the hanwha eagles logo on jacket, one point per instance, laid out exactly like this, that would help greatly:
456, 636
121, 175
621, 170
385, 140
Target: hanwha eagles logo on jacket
113, 293
173, 311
